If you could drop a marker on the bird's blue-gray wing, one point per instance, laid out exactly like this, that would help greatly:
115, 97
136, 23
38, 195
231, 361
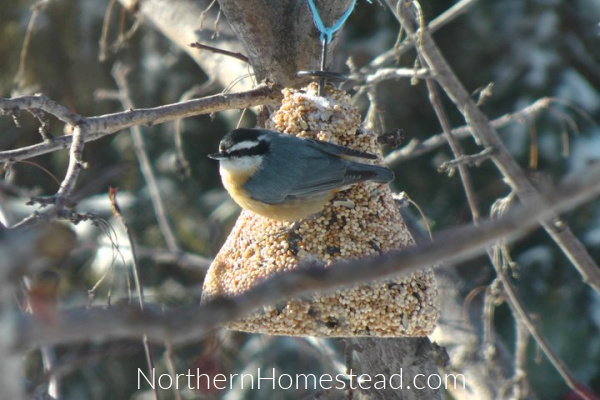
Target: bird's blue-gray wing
315, 174
338, 150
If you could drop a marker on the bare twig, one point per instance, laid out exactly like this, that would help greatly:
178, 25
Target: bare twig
456, 148
384, 74
182, 259
414, 149
116, 211
119, 73
43, 169
103, 52
237, 56
521, 344
35, 11
44, 123
39, 102
203, 13
448, 16
216, 25
468, 160
171, 367
98, 127
62, 197
502, 263
193, 322
75, 164
522, 315
182, 166
484, 132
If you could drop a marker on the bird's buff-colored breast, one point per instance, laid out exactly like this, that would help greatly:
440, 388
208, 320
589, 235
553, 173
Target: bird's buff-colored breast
288, 211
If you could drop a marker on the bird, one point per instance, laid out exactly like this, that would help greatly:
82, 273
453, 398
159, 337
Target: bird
288, 178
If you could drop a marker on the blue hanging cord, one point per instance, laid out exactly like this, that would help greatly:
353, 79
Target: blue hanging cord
327, 33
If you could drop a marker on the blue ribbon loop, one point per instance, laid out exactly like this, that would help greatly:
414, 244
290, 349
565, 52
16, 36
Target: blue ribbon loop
327, 33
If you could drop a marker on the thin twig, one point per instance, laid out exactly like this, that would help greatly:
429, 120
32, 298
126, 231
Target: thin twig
467, 160
103, 52
414, 148
171, 367
456, 148
501, 261
521, 344
35, 11
182, 165
192, 322
203, 13
116, 211
216, 25
559, 365
75, 164
382, 75
182, 259
42, 168
237, 56
119, 73
448, 16
44, 123
99, 127
490, 301
533, 148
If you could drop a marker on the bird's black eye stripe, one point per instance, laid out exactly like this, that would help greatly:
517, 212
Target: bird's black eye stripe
262, 147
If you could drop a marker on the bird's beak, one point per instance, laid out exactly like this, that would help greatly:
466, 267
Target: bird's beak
217, 156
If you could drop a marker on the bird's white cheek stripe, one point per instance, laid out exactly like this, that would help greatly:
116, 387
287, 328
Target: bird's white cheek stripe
247, 144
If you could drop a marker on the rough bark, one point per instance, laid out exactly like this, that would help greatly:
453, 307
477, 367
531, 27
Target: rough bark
279, 37
181, 22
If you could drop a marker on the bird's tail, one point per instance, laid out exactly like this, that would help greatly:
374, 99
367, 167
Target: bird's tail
368, 172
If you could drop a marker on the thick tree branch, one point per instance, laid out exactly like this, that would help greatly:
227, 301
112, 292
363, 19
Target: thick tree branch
98, 127
191, 323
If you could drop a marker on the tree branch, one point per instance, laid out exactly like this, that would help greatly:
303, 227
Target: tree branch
485, 133
442, 20
75, 163
119, 73
98, 127
189, 21
414, 148
191, 323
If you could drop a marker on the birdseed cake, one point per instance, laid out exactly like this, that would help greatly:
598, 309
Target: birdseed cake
359, 222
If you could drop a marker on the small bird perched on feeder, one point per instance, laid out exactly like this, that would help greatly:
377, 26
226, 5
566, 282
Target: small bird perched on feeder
288, 178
